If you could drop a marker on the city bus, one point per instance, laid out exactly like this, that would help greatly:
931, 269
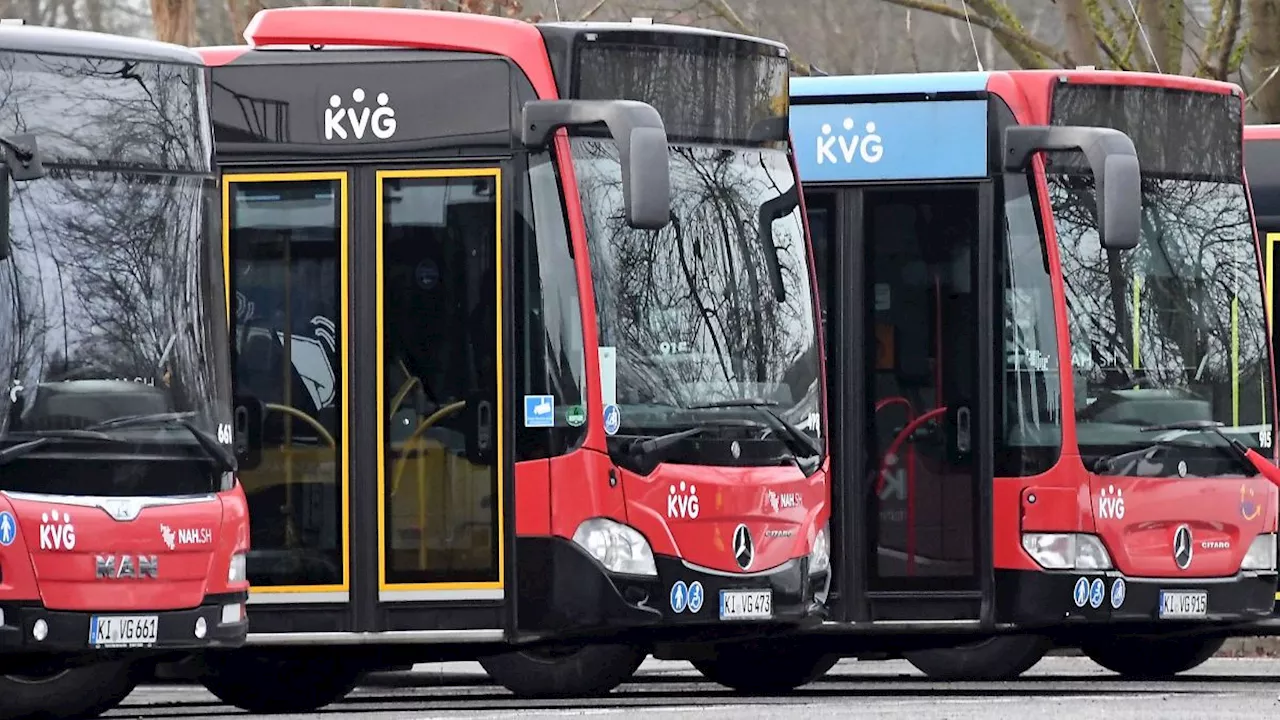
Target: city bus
1119, 503
123, 529
535, 335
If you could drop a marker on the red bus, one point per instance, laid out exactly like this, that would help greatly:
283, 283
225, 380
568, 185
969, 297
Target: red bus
531, 313
123, 530
1064, 427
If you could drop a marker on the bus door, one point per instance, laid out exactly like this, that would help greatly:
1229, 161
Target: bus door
368, 320
904, 273
443, 465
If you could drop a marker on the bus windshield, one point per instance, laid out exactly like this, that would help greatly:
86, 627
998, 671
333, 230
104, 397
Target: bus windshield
1172, 330
112, 310
692, 316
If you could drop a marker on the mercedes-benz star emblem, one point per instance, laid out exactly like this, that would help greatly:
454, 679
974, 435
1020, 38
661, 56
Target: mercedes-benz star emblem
735, 450
1182, 547
744, 551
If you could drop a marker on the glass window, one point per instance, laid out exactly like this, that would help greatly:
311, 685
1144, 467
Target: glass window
1172, 330
709, 322
111, 309
438, 244
285, 238
1030, 414
549, 339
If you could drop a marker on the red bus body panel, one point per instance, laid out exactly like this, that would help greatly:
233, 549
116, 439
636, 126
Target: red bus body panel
53, 558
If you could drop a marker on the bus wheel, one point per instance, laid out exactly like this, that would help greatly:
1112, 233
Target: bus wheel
266, 682
998, 658
75, 693
1151, 658
575, 672
770, 671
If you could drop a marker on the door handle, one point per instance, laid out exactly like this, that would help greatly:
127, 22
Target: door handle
484, 426
963, 434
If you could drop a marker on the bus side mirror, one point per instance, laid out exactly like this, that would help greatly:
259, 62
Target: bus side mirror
1114, 163
21, 162
247, 429
642, 147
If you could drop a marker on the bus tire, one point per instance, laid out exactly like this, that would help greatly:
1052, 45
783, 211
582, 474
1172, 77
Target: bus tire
266, 682
585, 671
1151, 658
76, 693
1003, 657
773, 672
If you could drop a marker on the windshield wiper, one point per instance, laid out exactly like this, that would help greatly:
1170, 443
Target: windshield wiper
1234, 447
1237, 448
13, 452
796, 440
225, 459
658, 445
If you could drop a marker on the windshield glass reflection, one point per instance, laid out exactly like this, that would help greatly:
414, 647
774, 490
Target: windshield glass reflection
1173, 330
689, 316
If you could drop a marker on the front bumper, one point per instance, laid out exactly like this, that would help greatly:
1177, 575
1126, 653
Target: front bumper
563, 591
68, 631
1033, 599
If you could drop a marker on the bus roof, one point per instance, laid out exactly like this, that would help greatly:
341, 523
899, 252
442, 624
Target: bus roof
933, 83
890, 84
80, 43
1262, 170
1261, 132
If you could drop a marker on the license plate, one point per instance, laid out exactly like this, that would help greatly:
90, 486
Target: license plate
1184, 604
746, 604
123, 630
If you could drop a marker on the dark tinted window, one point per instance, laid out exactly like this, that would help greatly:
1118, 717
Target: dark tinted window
548, 332
1178, 134
102, 111
749, 88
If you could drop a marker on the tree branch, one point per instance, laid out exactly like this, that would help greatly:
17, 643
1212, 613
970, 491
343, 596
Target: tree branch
1029, 52
723, 10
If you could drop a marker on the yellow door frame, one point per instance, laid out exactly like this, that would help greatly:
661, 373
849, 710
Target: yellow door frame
410, 592
339, 593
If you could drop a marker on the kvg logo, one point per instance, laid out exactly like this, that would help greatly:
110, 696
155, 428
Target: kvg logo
869, 146
381, 121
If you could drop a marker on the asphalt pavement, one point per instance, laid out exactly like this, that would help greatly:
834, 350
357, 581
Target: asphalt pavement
1071, 688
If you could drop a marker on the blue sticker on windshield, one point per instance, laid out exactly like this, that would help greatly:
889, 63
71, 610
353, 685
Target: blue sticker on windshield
539, 411
612, 419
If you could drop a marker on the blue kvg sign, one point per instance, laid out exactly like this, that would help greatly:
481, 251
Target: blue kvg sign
891, 140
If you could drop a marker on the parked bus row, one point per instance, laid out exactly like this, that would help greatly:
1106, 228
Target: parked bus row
520, 342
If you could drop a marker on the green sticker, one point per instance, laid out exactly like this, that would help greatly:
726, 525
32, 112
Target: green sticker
576, 416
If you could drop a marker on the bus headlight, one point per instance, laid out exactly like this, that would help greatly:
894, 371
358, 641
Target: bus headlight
236, 570
1067, 551
619, 548
1261, 555
820, 555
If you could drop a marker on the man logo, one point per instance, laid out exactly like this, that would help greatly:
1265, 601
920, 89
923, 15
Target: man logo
1182, 547
131, 567
744, 550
